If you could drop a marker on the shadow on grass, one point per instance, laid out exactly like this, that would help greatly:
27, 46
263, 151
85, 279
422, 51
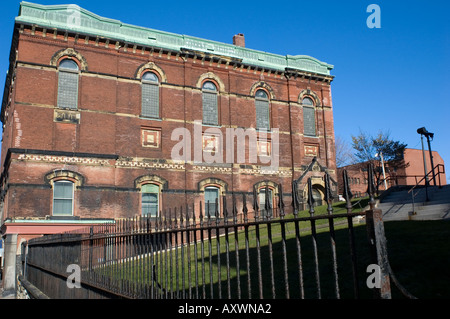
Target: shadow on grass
419, 255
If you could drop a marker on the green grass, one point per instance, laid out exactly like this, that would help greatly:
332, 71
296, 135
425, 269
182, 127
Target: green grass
419, 255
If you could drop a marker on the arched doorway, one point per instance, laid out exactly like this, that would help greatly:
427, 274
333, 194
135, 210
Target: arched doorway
318, 192
317, 195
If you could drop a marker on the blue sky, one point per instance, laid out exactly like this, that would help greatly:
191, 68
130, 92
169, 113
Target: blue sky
394, 78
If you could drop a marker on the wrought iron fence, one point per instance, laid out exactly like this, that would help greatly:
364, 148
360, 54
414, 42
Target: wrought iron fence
188, 254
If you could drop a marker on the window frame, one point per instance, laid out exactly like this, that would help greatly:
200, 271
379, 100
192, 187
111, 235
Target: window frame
56, 198
209, 214
206, 92
158, 196
266, 102
152, 85
311, 108
65, 71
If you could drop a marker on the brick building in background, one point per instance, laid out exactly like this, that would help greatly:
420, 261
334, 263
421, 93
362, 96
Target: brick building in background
409, 172
92, 108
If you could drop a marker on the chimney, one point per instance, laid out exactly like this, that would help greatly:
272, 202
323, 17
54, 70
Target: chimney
239, 40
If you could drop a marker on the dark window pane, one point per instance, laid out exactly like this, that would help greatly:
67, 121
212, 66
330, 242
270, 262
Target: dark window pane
149, 76
68, 65
208, 85
262, 114
309, 121
210, 110
150, 100
307, 101
261, 94
211, 195
67, 90
62, 198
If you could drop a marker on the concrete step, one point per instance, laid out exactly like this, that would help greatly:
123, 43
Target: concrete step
398, 204
418, 211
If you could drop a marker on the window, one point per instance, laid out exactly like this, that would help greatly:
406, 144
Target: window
62, 198
309, 118
262, 110
68, 84
209, 100
262, 202
150, 200
150, 95
211, 196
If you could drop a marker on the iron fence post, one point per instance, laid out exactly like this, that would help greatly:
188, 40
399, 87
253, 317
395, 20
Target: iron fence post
377, 244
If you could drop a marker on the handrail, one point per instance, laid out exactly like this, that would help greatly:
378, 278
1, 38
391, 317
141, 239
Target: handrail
438, 166
395, 178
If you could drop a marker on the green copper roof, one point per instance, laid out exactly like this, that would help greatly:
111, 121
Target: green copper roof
76, 19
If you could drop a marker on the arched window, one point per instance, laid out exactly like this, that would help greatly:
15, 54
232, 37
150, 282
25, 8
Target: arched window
150, 95
210, 107
68, 84
309, 118
150, 194
212, 201
262, 110
63, 198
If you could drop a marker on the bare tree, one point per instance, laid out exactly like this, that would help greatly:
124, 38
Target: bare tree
344, 153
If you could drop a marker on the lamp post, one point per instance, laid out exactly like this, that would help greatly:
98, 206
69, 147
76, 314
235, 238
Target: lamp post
382, 167
423, 132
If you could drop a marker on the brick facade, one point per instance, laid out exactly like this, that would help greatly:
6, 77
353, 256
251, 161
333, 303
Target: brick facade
108, 150
408, 173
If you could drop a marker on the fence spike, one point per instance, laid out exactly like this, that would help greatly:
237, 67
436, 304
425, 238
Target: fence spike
255, 200
208, 213
149, 224
188, 219
194, 222
267, 205
370, 185
347, 193
295, 200
201, 213
280, 200
225, 210
181, 217
216, 210
310, 197
234, 210
244, 207
328, 194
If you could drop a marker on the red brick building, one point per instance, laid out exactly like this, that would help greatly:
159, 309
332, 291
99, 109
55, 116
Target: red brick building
93, 108
409, 172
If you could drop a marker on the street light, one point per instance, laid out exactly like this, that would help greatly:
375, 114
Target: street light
382, 166
423, 132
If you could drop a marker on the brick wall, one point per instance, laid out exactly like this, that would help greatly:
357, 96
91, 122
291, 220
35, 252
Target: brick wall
104, 142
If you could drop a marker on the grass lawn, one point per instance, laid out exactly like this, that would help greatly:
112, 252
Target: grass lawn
419, 254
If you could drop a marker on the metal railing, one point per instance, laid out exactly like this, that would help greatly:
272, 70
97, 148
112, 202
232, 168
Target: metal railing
188, 254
